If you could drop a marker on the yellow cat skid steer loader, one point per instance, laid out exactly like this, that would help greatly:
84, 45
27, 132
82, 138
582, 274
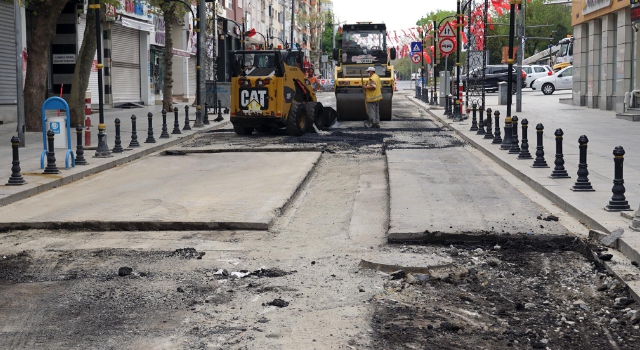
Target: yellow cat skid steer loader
269, 90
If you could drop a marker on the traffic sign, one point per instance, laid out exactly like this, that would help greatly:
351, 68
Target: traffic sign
416, 46
446, 31
447, 46
415, 58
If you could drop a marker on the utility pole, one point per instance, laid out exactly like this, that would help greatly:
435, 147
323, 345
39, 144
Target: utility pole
20, 92
521, 40
292, 18
102, 151
200, 91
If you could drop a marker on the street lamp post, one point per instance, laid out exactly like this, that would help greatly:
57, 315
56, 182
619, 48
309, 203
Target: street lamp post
103, 150
510, 59
198, 123
459, 16
436, 29
456, 111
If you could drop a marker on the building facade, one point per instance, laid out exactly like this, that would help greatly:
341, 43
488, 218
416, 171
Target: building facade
604, 54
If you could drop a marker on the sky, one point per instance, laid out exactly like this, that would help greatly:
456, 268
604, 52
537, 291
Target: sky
396, 14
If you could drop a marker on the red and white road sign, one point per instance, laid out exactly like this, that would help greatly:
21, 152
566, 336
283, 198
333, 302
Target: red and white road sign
447, 46
415, 58
446, 31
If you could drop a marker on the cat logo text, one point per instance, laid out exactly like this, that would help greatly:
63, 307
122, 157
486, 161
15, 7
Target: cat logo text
254, 99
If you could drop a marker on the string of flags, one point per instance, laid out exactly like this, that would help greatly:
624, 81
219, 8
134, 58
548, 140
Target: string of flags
401, 39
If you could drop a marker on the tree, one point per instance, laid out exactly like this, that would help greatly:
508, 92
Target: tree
170, 15
84, 61
327, 33
43, 29
536, 14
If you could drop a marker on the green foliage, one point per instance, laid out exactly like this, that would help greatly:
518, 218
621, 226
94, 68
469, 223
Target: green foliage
536, 13
438, 15
327, 33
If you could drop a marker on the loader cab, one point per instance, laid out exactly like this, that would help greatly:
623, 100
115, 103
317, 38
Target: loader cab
293, 58
256, 63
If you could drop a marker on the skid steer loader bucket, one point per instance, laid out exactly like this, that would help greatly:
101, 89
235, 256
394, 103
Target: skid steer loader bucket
329, 116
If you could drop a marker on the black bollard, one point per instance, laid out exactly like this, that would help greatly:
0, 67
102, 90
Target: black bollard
134, 135
515, 143
618, 201
583, 184
80, 160
198, 122
446, 105
51, 156
559, 172
220, 117
508, 134
481, 123
150, 138
497, 139
474, 123
165, 132
118, 145
176, 122
186, 118
489, 133
16, 178
524, 147
205, 121
539, 162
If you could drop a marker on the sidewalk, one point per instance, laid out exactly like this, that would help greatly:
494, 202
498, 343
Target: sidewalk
30, 154
604, 132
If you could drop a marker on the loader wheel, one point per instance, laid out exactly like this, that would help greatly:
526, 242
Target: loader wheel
241, 130
297, 120
314, 111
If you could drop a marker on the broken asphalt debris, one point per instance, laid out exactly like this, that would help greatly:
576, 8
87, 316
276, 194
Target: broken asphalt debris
187, 253
124, 271
277, 302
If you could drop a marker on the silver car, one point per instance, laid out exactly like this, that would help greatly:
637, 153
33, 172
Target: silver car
536, 71
563, 80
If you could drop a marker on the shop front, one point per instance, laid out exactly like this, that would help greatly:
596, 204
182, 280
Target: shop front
157, 59
605, 51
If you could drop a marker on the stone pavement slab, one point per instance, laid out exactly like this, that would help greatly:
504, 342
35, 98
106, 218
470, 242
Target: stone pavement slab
443, 192
196, 191
30, 154
604, 132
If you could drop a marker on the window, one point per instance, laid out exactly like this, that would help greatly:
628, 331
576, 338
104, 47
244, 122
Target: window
538, 69
568, 72
228, 4
527, 69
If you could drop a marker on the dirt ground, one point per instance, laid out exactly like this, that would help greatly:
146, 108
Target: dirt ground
300, 285
509, 294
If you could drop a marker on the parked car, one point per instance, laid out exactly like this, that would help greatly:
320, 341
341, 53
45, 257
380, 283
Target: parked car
563, 80
494, 74
536, 71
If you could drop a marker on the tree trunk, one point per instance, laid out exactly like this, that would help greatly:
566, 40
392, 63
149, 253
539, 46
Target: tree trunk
169, 14
45, 16
82, 71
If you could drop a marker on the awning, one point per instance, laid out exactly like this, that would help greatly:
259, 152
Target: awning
143, 26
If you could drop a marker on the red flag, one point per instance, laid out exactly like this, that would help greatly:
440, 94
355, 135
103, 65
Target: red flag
251, 32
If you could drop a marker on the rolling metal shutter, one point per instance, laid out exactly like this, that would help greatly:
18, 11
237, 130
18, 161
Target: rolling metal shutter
192, 75
8, 88
125, 68
93, 77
